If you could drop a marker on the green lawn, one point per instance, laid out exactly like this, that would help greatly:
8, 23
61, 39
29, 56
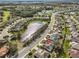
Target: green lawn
66, 46
6, 14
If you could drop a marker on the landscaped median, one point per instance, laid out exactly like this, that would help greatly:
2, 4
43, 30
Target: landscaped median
66, 42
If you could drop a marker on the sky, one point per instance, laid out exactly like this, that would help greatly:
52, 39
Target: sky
28, 0
39, 0
44, 0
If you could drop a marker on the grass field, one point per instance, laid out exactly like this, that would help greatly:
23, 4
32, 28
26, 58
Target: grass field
66, 46
6, 15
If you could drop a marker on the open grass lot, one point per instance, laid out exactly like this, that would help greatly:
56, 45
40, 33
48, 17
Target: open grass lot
5, 18
6, 15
